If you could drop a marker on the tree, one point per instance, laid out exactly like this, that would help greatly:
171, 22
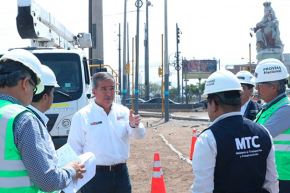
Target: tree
194, 91
173, 93
155, 90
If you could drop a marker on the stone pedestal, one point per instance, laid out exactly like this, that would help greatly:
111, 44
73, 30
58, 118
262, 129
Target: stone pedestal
276, 53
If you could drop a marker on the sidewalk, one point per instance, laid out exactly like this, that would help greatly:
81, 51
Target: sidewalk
195, 116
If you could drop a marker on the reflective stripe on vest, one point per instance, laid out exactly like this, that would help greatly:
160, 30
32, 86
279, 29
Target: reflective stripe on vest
13, 175
281, 142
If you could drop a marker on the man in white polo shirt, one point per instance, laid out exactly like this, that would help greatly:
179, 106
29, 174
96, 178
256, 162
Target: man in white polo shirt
104, 128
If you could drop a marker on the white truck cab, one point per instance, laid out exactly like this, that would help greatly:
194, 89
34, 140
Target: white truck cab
72, 74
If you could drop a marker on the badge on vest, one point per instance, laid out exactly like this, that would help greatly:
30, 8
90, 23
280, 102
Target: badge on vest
96, 123
247, 146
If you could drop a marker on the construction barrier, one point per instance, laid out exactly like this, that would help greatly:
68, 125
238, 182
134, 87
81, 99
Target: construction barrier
157, 184
193, 140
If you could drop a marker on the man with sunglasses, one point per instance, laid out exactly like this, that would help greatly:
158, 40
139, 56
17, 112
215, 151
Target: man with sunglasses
26, 165
271, 82
41, 102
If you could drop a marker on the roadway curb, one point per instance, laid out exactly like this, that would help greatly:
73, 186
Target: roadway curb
177, 117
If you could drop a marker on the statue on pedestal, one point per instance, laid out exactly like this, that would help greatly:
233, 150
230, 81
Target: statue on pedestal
267, 32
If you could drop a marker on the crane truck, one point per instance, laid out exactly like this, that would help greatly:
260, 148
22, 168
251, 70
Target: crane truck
55, 46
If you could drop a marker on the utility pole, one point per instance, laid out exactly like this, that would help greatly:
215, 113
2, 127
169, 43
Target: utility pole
133, 75
96, 53
182, 79
177, 66
166, 64
146, 44
138, 4
128, 63
160, 72
250, 57
119, 50
124, 88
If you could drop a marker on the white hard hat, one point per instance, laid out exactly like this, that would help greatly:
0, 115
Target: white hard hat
48, 77
221, 81
245, 77
29, 60
270, 70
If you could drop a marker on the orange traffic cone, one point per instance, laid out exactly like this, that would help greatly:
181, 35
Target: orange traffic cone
193, 140
157, 184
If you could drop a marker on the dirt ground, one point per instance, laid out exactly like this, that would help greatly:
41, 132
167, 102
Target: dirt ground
177, 172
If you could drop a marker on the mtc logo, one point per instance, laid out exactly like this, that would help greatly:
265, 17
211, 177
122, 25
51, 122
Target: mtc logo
246, 142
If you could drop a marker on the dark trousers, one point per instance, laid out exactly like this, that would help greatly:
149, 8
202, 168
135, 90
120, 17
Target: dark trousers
106, 181
284, 186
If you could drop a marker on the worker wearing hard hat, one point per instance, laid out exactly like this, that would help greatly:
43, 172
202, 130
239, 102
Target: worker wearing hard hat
41, 102
249, 108
233, 154
271, 81
25, 164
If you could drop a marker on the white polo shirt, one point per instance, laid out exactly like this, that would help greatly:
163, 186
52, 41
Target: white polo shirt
106, 135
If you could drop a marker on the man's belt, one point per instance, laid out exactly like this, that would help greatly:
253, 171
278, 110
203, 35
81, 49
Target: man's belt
111, 168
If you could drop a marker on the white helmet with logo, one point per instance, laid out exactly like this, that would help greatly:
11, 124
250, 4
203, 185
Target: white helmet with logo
27, 59
221, 81
245, 77
48, 77
270, 70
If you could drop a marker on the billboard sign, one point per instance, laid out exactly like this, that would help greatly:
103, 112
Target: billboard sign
193, 69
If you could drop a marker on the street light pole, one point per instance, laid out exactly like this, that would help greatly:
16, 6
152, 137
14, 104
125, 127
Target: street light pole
138, 4
177, 66
124, 88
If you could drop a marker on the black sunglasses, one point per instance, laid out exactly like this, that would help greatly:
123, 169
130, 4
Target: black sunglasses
33, 84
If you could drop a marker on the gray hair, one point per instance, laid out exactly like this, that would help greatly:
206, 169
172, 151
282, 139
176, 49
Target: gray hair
100, 76
11, 72
281, 85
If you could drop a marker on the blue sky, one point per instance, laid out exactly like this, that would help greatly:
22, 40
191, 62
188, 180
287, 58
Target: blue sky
210, 28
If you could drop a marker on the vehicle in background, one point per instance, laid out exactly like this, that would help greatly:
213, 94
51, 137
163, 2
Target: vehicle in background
130, 100
201, 104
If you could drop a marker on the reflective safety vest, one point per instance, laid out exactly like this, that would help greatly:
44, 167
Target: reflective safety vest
281, 142
13, 175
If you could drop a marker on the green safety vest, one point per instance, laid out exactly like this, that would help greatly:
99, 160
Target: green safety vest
281, 142
13, 175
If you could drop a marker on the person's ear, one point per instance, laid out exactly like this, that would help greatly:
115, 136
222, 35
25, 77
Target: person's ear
45, 96
24, 83
215, 106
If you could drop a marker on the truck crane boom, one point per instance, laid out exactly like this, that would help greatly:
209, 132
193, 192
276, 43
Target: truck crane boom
35, 23
56, 47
